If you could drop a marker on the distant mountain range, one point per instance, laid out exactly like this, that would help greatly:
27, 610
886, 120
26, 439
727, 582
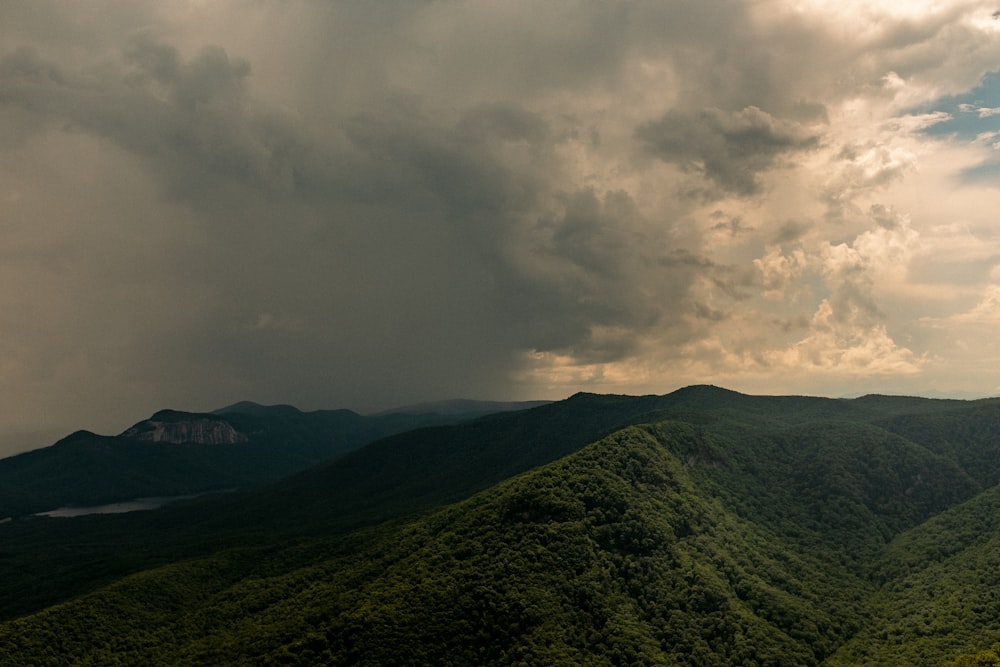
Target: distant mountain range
462, 407
702, 527
177, 453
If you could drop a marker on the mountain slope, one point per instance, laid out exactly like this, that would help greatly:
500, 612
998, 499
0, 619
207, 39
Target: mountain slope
723, 529
611, 554
940, 592
970, 435
397, 476
424, 468
176, 453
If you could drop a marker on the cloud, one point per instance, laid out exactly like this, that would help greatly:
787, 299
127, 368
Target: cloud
847, 344
383, 203
847, 334
982, 112
729, 148
861, 170
733, 226
985, 313
395, 206
779, 272
190, 119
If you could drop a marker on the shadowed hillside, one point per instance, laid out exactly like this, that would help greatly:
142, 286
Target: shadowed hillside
176, 453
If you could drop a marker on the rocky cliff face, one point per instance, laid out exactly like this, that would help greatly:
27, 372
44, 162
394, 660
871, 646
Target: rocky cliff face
203, 431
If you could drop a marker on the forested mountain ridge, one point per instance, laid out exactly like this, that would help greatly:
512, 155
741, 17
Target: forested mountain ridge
174, 453
703, 527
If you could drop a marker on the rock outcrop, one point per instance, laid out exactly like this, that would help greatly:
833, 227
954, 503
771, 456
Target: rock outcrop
199, 430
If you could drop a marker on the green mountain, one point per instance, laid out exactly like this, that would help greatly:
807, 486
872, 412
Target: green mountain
176, 453
703, 527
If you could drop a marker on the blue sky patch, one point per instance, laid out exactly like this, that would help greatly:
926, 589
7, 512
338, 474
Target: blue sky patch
975, 115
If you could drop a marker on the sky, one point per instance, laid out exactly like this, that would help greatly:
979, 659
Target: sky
370, 204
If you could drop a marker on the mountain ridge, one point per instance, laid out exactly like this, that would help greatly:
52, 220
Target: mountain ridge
701, 527
165, 455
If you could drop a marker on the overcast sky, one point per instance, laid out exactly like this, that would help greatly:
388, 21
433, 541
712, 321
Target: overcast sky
367, 204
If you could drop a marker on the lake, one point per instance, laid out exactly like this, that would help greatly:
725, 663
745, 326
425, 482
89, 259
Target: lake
136, 505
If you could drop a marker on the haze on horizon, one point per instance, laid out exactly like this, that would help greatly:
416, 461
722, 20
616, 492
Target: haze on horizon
365, 205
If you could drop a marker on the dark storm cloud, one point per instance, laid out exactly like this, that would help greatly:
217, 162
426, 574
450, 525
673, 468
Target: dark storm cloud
791, 231
440, 237
593, 271
734, 225
403, 153
191, 120
416, 236
732, 149
186, 116
370, 203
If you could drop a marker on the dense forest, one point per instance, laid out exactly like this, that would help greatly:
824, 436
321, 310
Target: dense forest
703, 527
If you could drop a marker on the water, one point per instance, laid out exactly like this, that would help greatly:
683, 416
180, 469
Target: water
139, 504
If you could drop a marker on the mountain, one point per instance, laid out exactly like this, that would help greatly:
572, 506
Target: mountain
703, 527
940, 588
258, 410
175, 453
463, 407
